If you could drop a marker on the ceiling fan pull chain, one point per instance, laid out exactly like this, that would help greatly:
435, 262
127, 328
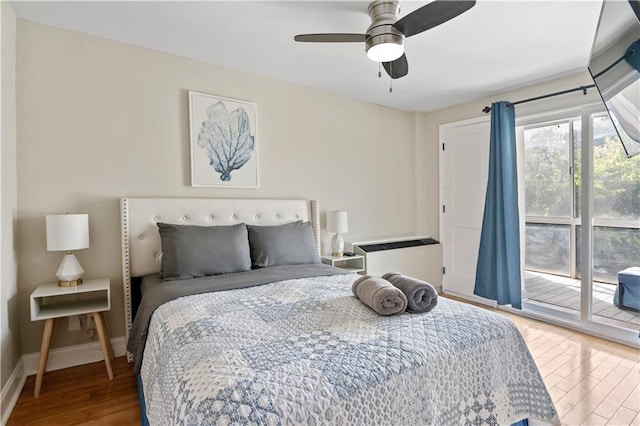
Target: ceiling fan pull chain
390, 78
379, 73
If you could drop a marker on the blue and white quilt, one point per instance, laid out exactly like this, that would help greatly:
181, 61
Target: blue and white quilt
305, 351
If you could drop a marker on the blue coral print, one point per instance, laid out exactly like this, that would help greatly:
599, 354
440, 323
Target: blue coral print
227, 138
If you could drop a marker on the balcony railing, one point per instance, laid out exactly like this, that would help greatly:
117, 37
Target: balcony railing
553, 245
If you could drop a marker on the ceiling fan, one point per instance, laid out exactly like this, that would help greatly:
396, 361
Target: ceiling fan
384, 39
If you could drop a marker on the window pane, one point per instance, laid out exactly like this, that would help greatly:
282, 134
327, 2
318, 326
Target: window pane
616, 178
546, 167
614, 249
547, 248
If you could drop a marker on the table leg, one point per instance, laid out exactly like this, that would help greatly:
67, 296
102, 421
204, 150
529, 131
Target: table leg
97, 316
44, 354
108, 338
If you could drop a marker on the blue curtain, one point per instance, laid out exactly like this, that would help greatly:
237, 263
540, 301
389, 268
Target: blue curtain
498, 271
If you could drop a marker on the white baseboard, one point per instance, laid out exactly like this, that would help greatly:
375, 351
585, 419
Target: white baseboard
473, 298
11, 391
71, 356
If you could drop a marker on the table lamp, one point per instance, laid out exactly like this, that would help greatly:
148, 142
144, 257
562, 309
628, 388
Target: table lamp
337, 222
66, 232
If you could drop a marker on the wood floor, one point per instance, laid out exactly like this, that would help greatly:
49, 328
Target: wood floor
81, 395
592, 382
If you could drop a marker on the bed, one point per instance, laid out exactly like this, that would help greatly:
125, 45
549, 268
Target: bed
289, 344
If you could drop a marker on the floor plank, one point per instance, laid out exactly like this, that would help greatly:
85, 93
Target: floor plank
623, 416
595, 396
611, 403
592, 381
594, 420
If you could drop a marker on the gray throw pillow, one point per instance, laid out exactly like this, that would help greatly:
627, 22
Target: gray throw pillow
190, 251
289, 244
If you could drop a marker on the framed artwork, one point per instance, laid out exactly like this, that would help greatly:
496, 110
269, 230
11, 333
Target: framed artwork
223, 142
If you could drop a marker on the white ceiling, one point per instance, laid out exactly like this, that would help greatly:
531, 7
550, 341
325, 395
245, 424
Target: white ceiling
495, 46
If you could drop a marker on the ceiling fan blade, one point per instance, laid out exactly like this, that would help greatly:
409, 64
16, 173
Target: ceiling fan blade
398, 68
431, 15
331, 38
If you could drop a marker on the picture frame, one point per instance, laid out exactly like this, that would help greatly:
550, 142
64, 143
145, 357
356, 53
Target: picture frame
223, 142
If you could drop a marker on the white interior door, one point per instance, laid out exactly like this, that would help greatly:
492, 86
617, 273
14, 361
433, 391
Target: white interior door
464, 161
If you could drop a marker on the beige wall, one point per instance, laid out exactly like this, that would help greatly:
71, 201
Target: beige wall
428, 144
9, 319
98, 120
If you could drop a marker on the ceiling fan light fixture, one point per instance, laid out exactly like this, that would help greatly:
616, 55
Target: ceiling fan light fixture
385, 52
385, 47
384, 43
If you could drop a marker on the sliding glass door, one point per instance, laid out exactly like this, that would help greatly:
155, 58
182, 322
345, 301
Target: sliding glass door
562, 154
616, 222
551, 153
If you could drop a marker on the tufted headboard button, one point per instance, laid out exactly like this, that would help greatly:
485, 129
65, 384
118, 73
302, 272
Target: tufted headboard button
157, 255
277, 216
141, 237
234, 216
211, 217
184, 218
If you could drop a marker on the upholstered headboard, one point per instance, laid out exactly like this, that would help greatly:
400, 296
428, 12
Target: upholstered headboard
141, 246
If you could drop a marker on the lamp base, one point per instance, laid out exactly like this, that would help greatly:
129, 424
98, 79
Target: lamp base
337, 246
70, 272
71, 283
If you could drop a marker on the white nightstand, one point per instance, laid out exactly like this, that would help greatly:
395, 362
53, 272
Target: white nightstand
49, 302
353, 263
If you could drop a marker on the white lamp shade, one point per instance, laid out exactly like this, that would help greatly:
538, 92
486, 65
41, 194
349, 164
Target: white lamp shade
67, 232
337, 221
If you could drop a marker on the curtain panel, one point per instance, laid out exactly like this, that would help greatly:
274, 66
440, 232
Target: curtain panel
498, 273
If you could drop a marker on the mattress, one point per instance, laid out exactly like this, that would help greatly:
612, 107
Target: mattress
305, 351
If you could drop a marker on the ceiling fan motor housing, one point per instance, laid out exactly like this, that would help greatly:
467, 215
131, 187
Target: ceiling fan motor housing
384, 14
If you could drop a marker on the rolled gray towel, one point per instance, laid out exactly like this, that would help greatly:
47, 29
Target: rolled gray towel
380, 295
421, 296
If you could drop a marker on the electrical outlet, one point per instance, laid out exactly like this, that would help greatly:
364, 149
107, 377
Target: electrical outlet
91, 324
74, 323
